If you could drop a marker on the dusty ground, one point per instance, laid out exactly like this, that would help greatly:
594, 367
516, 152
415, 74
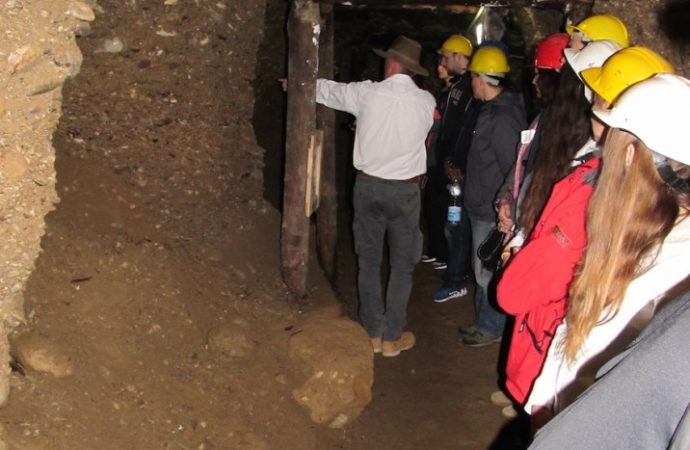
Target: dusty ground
162, 238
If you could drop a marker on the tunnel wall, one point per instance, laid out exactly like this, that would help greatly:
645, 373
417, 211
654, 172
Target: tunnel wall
658, 24
37, 53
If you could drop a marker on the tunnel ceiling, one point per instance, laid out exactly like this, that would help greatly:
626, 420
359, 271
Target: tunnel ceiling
378, 27
377, 22
358, 30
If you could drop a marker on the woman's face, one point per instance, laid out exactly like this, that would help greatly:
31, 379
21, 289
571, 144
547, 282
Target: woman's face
577, 41
535, 83
442, 72
598, 127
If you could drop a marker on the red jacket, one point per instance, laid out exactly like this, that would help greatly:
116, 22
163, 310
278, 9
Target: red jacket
534, 286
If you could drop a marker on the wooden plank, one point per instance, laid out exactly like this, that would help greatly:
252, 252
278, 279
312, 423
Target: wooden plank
303, 35
327, 214
422, 3
451, 4
313, 179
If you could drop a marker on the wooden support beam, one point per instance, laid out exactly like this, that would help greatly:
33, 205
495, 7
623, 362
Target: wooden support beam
303, 35
327, 214
451, 4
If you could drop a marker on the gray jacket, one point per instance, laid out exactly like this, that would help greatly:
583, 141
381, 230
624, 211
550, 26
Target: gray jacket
641, 399
492, 152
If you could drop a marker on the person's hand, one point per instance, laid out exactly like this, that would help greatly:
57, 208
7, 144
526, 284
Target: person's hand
283, 83
453, 173
505, 221
508, 253
505, 255
423, 180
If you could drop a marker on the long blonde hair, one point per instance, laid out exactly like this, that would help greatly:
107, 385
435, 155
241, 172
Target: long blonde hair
630, 213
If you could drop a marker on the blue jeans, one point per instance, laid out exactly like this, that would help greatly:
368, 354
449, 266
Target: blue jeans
386, 210
489, 320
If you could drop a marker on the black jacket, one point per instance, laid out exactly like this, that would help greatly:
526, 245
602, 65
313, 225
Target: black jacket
492, 152
453, 109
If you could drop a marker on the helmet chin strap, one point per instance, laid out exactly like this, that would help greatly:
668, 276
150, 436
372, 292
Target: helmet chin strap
670, 177
667, 173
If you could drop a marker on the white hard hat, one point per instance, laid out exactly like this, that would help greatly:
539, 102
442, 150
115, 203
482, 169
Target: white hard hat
657, 111
593, 55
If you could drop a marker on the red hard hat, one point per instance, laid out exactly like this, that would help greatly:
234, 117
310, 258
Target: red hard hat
549, 52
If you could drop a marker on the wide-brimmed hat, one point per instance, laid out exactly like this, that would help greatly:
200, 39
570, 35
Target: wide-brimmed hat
407, 52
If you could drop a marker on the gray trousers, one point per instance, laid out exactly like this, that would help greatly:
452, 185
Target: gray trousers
385, 209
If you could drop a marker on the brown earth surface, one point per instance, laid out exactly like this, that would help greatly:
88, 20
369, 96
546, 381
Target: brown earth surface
159, 278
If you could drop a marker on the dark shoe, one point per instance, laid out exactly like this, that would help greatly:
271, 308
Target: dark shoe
446, 294
498, 398
439, 265
467, 331
393, 348
480, 339
428, 259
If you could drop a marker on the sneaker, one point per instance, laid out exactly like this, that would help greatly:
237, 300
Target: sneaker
428, 259
377, 344
439, 265
498, 398
467, 331
446, 294
480, 339
509, 412
393, 348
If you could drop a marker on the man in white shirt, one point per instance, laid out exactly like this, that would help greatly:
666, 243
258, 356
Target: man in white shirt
394, 117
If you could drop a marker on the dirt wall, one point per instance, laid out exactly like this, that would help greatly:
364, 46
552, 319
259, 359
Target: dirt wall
37, 53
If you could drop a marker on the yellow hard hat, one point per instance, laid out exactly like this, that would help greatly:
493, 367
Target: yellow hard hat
623, 69
600, 27
457, 44
489, 60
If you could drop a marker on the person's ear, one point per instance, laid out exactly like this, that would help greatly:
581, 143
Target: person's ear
629, 155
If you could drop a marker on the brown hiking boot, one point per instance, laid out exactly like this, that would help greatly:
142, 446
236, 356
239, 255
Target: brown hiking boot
498, 398
376, 344
393, 348
509, 412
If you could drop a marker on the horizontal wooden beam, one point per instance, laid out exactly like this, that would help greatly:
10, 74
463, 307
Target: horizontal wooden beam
450, 4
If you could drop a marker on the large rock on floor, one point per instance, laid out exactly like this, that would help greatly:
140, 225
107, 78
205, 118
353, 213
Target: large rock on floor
335, 355
39, 353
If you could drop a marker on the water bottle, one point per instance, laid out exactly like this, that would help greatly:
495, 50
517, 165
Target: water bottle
454, 209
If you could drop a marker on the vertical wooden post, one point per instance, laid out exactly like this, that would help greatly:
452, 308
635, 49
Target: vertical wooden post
303, 35
327, 214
